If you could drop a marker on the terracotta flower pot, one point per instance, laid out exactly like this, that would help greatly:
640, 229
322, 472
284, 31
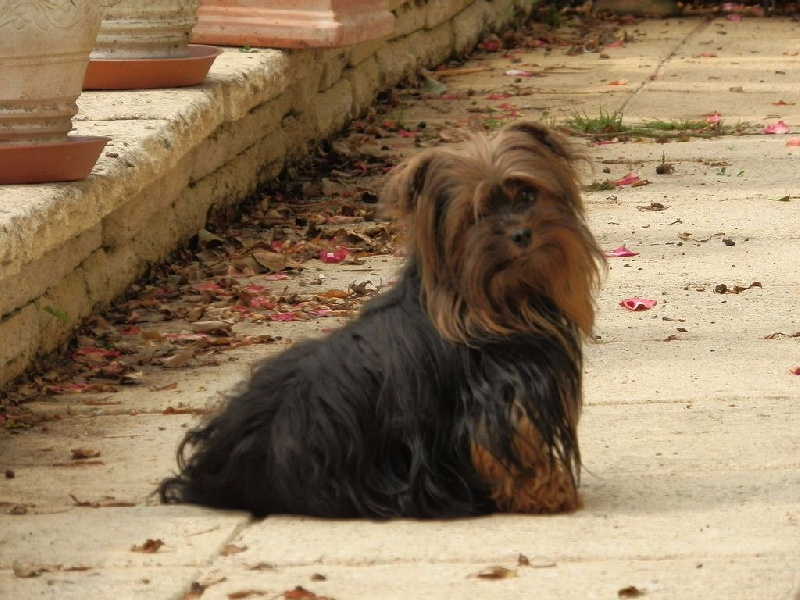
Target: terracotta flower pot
44, 50
146, 29
291, 23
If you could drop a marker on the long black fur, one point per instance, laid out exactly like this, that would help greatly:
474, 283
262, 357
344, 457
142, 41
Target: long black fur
376, 419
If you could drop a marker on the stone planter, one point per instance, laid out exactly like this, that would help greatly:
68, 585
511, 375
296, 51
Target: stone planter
146, 29
145, 44
44, 50
292, 23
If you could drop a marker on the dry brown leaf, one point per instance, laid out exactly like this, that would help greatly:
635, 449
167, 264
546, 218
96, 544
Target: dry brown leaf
215, 327
496, 573
301, 593
630, 592
231, 549
149, 547
247, 594
84, 453
179, 359
271, 261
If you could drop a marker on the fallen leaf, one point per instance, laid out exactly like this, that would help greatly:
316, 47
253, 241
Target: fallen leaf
620, 252
783, 103
636, 304
84, 453
779, 127
149, 547
736, 289
301, 593
247, 594
654, 207
215, 327
179, 359
780, 334
630, 592
231, 549
496, 573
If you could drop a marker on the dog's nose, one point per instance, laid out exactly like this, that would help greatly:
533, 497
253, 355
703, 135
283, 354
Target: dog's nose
522, 237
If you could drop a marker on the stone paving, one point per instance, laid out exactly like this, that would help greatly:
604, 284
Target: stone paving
690, 429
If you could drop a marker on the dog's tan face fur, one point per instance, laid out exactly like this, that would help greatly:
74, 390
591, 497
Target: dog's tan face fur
498, 225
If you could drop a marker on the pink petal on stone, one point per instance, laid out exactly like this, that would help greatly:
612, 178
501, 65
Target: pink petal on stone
620, 252
635, 304
283, 317
627, 180
334, 256
793, 141
779, 127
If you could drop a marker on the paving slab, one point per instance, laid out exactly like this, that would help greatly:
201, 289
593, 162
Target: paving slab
689, 432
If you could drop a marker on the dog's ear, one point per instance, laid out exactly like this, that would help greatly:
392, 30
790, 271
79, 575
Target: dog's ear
402, 188
546, 137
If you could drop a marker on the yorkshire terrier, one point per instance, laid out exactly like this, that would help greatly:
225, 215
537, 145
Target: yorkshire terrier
455, 393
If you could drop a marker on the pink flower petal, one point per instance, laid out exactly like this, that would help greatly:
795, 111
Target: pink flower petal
708, 55
284, 317
491, 45
406, 134
276, 277
793, 141
519, 73
334, 256
253, 287
779, 127
713, 117
261, 302
619, 82
635, 304
498, 96
620, 252
627, 180
734, 17
449, 97
795, 371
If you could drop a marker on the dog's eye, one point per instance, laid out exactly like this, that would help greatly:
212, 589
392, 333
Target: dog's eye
528, 195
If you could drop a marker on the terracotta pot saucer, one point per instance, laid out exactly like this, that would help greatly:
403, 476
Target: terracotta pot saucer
149, 73
49, 162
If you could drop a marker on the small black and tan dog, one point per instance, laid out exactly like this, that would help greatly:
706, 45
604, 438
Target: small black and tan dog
457, 392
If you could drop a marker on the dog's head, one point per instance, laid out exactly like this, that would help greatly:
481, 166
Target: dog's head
496, 227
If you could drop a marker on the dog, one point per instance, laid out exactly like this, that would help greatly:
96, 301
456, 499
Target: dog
455, 393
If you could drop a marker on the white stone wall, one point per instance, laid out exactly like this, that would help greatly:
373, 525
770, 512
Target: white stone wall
176, 154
